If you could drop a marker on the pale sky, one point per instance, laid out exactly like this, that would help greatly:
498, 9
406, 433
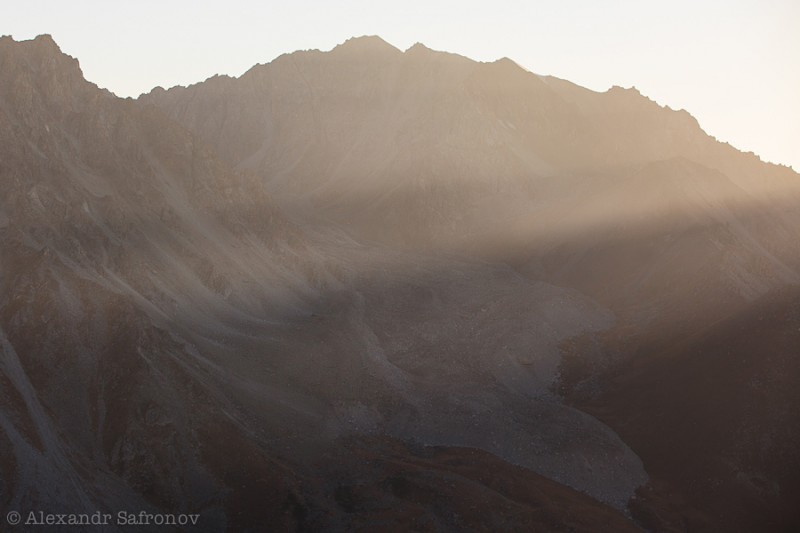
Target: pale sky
735, 65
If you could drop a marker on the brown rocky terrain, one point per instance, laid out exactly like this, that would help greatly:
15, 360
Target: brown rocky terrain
715, 417
374, 289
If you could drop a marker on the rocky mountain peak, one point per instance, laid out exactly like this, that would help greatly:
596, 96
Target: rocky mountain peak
41, 54
37, 75
367, 46
418, 48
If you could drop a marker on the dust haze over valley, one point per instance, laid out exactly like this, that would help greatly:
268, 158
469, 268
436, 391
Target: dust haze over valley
375, 289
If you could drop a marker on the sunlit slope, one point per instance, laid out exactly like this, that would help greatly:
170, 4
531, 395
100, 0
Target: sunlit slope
173, 340
607, 194
416, 142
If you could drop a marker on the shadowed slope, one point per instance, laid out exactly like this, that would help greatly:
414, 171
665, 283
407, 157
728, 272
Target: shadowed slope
716, 417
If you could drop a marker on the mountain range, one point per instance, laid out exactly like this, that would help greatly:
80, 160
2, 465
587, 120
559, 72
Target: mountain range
381, 289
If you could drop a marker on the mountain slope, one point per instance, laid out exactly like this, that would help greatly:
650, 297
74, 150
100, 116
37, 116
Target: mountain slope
176, 339
716, 419
375, 136
115, 221
610, 193
378, 287
607, 194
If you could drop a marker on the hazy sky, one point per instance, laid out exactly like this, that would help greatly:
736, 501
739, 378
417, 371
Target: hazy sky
735, 65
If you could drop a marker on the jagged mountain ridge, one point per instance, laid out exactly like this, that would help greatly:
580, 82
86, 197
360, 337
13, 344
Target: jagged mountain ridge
116, 224
291, 336
610, 193
426, 148
368, 121
168, 333
423, 147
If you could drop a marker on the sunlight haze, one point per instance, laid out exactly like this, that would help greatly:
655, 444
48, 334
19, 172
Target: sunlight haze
359, 266
733, 65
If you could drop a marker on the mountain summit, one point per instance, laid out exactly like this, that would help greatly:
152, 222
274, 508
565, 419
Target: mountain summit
371, 289
367, 46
